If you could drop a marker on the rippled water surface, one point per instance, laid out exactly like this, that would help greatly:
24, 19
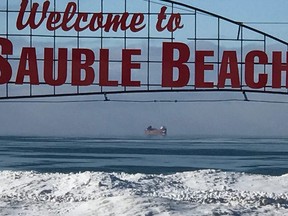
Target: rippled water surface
144, 154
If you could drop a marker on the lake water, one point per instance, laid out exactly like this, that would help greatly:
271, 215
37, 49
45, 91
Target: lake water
153, 155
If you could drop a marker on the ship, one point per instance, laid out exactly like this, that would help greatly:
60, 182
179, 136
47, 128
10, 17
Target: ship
155, 131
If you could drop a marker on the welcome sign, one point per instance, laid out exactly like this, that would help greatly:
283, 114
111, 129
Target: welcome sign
48, 48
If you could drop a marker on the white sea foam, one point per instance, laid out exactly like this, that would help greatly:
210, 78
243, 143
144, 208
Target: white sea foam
204, 192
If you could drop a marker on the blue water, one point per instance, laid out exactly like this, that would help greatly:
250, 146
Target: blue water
152, 155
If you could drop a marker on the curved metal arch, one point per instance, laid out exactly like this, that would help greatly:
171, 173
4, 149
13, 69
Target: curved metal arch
227, 19
106, 94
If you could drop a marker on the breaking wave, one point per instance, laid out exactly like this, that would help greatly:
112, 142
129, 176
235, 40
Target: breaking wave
202, 192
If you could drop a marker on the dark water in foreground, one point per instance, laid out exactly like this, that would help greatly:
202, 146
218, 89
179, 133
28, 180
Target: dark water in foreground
144, 154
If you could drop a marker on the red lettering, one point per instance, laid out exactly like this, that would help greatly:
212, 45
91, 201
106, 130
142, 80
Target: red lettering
168, 64
28, 55
69, 13
114, 21
278, 68
175, 67
229, 59
104, 69
5, 67
200, 68
32, 15
70, 19
96, 22
174, 21
127, 65
78, 65
136, 21
82, 17
250, 70
161, 18
53, 19
49, 76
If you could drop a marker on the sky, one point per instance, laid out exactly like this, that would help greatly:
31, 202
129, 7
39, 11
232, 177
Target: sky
110, 119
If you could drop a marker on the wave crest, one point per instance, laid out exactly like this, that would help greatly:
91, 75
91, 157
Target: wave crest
198, 191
